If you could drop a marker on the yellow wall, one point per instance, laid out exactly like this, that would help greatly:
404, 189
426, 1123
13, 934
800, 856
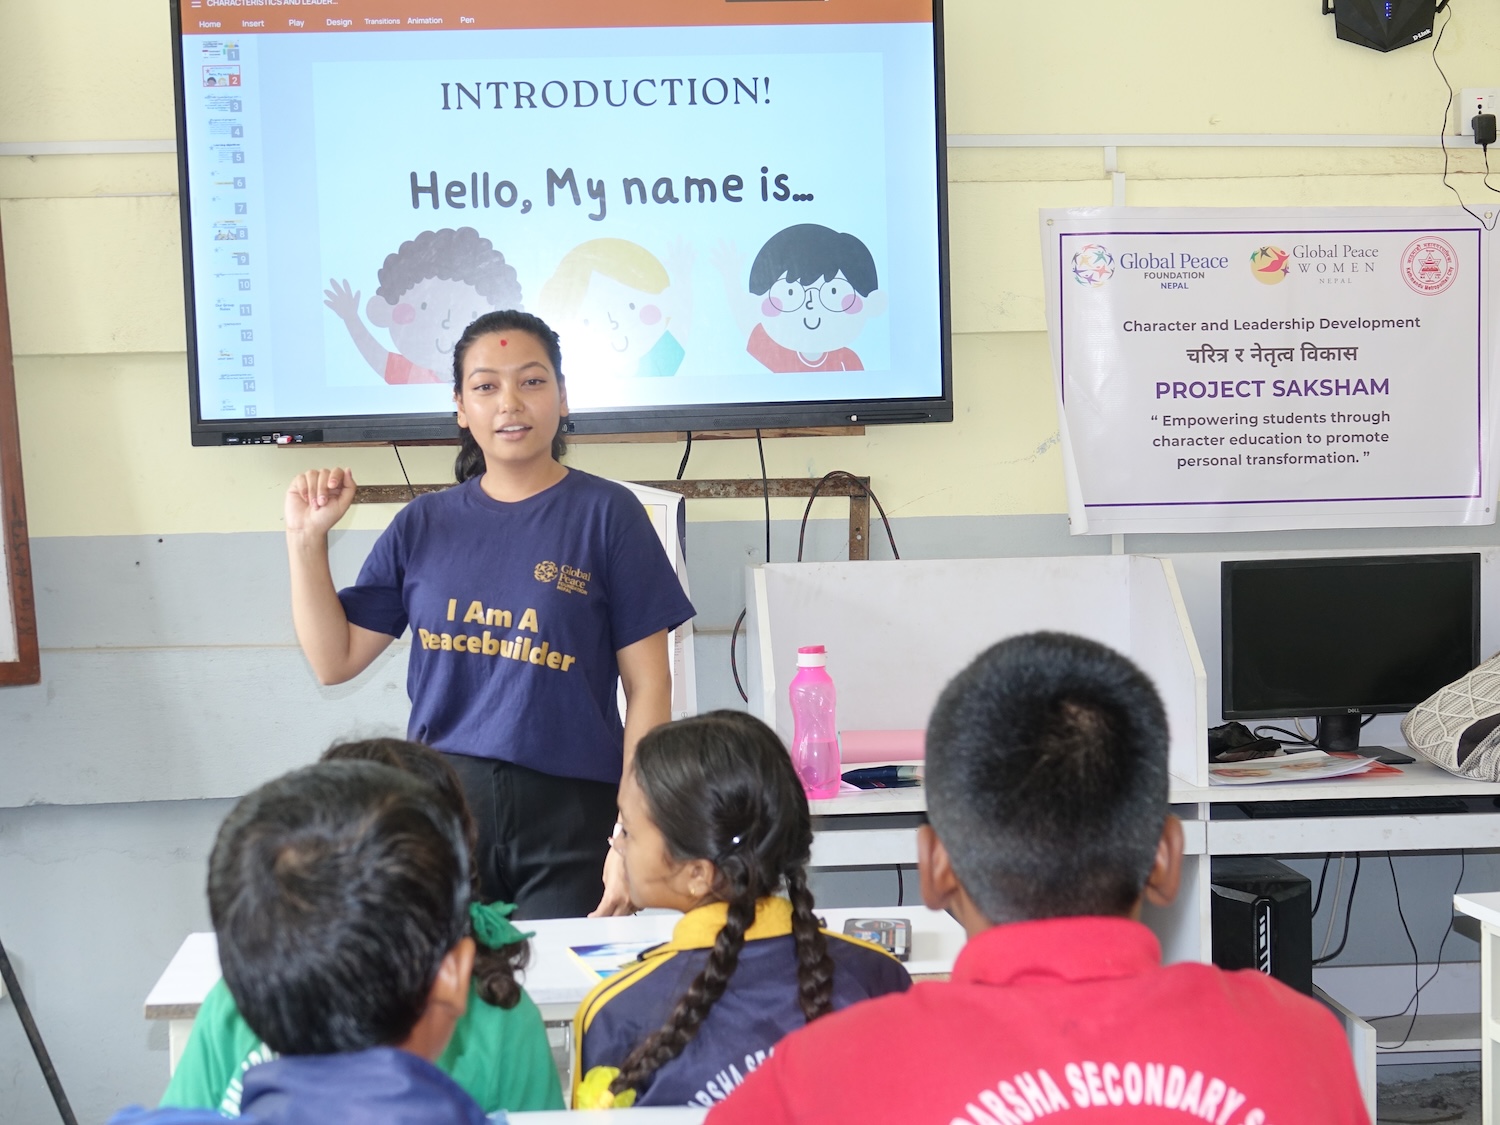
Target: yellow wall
94, 263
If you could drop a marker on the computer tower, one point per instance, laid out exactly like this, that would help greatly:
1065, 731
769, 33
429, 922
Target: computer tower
1262, 919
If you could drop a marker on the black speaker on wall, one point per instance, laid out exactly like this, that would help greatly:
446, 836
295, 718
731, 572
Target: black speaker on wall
1262, 919
1382, 25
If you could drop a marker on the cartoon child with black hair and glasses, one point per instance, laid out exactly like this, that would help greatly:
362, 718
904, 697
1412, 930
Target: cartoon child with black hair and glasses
811, 289
429, 291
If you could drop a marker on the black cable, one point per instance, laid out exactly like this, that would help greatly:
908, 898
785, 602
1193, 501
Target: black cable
1443, 132
1487, 183
687, 451
868, 491
1348, 913
900, 887
1416, 959
1416, 997
34, 1035
734, 635
1322, 877
1291, 734
765, 488
402, 463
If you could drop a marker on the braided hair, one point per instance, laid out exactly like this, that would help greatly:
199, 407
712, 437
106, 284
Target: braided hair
721, 787
495, 970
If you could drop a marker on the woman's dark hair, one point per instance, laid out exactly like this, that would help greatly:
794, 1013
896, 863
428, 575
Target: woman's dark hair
470, 460
1047, 778
721, 787
336, 892
494, 969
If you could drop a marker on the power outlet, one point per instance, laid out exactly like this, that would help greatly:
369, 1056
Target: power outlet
1474, 101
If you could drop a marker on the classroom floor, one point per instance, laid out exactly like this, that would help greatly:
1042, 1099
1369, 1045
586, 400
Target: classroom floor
1451, 1097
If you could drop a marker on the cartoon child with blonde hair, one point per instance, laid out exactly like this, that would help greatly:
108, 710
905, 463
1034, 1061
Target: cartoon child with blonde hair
620, 299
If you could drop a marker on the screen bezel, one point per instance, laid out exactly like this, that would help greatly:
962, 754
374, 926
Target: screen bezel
1228, 568
442, 427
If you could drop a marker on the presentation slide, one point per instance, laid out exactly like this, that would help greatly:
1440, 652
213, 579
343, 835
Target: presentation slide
711, 202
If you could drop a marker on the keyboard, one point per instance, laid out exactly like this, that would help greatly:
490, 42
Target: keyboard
1354, 806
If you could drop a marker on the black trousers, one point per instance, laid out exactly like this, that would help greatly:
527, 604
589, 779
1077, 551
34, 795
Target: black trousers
542, 839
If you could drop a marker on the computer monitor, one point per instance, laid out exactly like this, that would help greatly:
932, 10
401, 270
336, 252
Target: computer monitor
734, 214
1347, 637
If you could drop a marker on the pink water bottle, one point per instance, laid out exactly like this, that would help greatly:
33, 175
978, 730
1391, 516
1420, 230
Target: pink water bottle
815, 740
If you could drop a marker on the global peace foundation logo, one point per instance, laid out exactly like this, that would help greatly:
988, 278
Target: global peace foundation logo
1429, 265
1268, 265
1093, 265
545, 572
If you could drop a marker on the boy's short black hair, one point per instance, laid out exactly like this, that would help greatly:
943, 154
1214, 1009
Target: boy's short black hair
1047, 778
806, 252
336, 891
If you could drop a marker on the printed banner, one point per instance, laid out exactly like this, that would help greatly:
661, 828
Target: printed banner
1253, 370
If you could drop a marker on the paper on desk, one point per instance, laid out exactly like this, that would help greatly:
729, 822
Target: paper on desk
1289, 767
608, 958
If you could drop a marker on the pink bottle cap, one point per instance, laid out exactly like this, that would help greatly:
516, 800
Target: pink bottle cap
812, 656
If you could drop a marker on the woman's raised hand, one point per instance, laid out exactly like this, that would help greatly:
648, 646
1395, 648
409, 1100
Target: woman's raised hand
318, 499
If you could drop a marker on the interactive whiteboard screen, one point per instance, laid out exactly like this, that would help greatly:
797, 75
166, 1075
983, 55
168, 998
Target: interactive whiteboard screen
731, 210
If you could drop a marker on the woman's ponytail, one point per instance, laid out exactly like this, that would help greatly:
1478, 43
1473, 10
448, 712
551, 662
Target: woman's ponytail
500, 951
470, 459
495, 973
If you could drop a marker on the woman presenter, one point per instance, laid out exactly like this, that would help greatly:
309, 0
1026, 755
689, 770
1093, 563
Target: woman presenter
532, 591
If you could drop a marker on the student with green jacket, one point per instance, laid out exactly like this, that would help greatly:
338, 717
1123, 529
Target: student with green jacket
499, 1052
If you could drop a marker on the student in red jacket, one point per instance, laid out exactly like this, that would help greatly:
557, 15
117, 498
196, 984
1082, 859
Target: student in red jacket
1047, 795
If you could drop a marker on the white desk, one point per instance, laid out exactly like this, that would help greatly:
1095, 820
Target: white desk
1486, 908
554, 979
558, 983
843, 840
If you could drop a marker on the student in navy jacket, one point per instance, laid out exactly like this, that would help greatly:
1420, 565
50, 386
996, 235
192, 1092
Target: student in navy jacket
713, 822
340, 895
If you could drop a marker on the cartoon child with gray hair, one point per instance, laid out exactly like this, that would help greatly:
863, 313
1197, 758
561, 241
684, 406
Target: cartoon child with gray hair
811, 289
430, 290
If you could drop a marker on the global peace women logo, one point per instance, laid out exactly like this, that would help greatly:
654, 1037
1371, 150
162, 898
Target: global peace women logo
1093, 265
1268, 265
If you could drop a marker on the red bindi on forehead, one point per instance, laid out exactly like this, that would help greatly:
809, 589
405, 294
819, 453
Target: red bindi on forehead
503, 341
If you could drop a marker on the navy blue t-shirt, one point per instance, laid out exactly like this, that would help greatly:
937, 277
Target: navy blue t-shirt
517, 611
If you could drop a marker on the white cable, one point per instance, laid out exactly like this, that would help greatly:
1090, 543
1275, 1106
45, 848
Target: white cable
1333, 911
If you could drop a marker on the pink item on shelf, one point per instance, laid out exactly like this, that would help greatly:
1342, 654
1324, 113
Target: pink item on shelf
815, 743
856, 746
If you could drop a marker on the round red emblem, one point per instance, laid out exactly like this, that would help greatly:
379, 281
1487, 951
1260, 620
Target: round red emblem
1429, 265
